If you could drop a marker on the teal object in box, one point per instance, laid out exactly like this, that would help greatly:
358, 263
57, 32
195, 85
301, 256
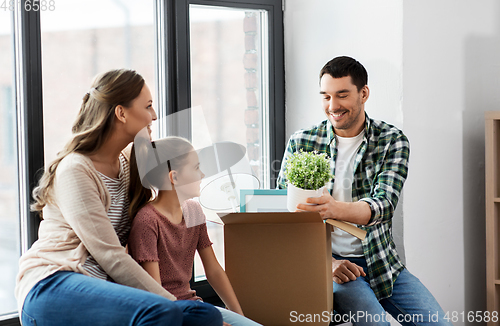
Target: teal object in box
263, 200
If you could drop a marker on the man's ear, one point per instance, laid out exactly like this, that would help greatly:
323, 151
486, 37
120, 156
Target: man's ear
120, 113
365, 93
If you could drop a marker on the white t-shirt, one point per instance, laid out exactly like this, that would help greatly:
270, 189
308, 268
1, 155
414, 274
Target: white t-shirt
344, 244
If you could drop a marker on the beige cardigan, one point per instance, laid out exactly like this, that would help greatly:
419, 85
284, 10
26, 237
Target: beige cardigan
76, 224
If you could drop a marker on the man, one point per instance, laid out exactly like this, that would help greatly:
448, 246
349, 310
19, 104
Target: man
370, 165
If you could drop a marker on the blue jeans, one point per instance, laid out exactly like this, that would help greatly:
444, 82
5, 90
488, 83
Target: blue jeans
69, 298
410, 304
235, 319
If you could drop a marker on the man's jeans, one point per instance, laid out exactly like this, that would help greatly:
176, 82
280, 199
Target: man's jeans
69, 298
410, 304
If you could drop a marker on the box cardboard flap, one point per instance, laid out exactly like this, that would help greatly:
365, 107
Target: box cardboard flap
277, 267
349, 228
270, 218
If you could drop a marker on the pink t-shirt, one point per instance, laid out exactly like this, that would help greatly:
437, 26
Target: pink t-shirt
154, 238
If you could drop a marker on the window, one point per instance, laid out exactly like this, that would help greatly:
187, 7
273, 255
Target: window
229, 61
119, 35
228, 70
162, 40
9, 174
20, 56
228, 74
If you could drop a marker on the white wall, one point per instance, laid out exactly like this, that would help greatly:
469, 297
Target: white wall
451, 76
319, 30
434, 68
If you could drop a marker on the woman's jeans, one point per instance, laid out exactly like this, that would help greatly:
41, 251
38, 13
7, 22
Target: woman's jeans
69, 298
410, 304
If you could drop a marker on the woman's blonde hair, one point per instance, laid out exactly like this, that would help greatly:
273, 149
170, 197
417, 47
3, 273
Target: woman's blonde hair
176, 149
94, 123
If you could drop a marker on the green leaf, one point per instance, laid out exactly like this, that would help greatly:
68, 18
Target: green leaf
308, 170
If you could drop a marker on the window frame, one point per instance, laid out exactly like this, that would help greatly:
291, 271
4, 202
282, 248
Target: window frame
10, 320
172, 79
29, 107
179, 68
29, 116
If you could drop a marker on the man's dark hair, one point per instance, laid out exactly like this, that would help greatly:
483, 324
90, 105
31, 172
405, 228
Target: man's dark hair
346, 66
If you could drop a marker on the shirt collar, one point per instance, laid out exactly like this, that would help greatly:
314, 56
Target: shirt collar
331, 133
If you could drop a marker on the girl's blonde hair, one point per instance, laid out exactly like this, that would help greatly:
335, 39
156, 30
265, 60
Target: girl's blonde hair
94, 123
140, 193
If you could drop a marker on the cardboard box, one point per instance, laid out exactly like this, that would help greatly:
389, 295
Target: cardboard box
280, 266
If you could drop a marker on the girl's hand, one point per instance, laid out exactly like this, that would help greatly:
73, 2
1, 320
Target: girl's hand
225, 324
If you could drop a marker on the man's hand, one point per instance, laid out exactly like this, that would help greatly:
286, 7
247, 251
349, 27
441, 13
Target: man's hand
354, 212
324, 205
344, 271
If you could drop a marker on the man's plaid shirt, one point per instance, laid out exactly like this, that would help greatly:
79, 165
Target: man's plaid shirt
381, 167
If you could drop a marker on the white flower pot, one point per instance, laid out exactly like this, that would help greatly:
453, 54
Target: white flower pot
295, 196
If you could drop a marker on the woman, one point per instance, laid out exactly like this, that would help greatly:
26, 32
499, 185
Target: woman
64, 278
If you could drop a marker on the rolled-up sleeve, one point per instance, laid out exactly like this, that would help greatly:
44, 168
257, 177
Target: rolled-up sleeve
388, 181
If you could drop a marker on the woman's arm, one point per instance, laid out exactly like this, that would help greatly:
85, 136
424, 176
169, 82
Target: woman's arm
78, 195
217, 278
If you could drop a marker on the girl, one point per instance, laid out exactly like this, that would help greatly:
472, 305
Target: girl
168, 230
63, 278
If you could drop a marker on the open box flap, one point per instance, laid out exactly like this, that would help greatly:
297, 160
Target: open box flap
270, 218
288, 217
349, 228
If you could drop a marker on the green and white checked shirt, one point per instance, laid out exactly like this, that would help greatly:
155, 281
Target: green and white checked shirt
380, 170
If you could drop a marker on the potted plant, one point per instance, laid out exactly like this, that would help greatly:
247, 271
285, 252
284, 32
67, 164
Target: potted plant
307, 173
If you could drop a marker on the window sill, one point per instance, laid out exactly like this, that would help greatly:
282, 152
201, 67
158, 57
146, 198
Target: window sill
10, 320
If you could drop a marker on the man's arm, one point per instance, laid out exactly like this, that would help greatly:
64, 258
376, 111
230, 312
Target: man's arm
384, 195
389, 182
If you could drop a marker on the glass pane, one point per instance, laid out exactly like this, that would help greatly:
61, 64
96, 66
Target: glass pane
229, 69
9, 203
81, 39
